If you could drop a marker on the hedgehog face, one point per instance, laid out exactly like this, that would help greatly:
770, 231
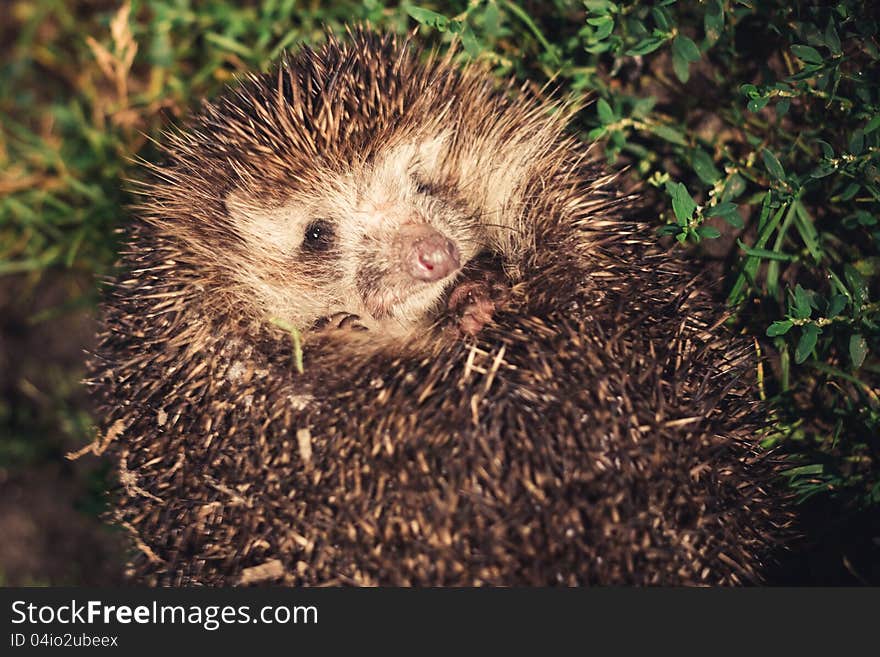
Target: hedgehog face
359, 180
383, 240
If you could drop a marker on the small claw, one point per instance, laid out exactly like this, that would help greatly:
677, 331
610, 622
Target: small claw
340, 320
348, 321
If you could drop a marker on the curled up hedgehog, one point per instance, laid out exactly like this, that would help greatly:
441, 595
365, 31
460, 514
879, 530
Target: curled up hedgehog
382, 321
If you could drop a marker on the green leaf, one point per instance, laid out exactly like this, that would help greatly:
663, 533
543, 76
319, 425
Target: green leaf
226, 43
780, 327
858, 349
606, 114
832, 40
807, 54
491, 20
827, 150
669, 229
428, 17
856, 142
709, 232
296, 338
681, 67
727, 211
856, 283
646, 46
685, 48
660, 18
734, 219
641, 107
734, 187
470, 43
849, 192
721, 209
705, 167
773, 165
682, 203
872, 125
684, 51
600, 6
757, 104
836, 304
598, 48
805, 346
604, 27
713, 21
865, 218
805, 470
668, 133
765, 253
802, 307
807, 230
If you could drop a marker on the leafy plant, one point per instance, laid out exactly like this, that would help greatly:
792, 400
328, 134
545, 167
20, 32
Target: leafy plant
754, 127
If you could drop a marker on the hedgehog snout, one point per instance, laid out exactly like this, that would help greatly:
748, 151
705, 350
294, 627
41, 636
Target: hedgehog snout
427, 255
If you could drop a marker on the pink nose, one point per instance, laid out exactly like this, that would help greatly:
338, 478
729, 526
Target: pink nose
428, 255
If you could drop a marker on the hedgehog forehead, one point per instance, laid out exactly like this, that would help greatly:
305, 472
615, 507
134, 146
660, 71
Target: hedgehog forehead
365, 196
390, 174
395, 170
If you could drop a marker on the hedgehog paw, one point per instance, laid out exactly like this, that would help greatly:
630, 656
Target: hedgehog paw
340, 320
474, 303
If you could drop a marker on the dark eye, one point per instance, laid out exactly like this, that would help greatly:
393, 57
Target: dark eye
424, 187
319, 235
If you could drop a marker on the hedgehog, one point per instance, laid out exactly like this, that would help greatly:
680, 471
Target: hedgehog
384, 321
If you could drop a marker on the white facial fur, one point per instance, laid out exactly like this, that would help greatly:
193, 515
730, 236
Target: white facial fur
360, 273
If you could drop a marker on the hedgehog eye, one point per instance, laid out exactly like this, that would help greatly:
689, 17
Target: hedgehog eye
318, 236
423, 187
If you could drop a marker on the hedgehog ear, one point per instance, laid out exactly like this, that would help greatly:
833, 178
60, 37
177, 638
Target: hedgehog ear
430, 152
408, 156
277, 229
